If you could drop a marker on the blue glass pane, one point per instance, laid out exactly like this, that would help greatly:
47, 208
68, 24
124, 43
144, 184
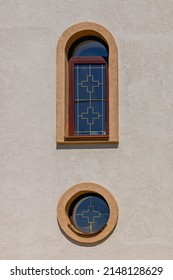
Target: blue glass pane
90, 99
90, 48
90, 214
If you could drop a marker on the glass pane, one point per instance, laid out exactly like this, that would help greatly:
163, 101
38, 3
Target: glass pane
90, 99
90, 48
90, 213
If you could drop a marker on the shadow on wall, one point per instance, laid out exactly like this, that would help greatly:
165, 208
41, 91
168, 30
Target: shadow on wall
86, 146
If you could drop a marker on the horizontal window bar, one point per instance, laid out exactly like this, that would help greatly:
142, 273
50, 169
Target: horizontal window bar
88, 100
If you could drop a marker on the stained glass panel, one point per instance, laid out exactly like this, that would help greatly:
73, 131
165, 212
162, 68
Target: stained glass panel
90, 213
90, 99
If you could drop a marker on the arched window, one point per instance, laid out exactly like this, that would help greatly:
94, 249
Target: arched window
87, 86
88, 91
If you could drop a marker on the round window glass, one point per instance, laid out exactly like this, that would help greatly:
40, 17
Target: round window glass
89, 213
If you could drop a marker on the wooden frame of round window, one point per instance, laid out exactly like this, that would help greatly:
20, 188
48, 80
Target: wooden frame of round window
66, 224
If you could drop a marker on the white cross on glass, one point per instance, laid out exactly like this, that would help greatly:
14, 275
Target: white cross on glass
91, 214
90, 84
90, 115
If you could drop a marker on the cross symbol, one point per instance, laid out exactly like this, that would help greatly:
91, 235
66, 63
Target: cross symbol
90, 115
91, 214
90, 84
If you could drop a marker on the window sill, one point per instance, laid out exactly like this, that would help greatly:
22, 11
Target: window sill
87, 138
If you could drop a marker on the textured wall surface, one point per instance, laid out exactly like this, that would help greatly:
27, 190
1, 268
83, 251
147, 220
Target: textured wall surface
34, 174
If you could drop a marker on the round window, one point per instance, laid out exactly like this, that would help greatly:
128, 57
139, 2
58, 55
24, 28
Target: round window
87, 213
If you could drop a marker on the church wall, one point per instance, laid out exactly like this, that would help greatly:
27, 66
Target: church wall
34, 173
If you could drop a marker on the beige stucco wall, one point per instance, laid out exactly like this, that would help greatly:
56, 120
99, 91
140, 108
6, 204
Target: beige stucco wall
34, 174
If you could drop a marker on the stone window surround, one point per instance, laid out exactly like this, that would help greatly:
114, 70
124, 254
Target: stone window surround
66, 40
63, 208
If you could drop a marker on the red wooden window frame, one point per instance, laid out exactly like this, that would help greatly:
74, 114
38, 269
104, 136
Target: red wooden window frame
85, 60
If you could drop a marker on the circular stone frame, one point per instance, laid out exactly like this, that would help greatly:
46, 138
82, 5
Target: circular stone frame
63, 209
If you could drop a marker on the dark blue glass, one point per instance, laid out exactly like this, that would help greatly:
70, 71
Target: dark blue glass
90, 48
90, 214
90, 99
